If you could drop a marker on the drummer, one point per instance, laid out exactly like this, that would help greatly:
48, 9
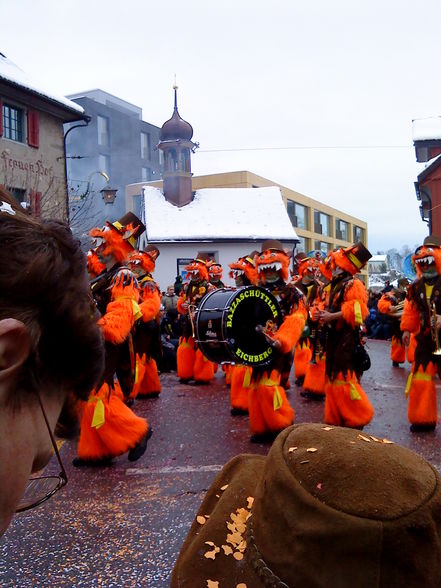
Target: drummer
269, 409
191, 363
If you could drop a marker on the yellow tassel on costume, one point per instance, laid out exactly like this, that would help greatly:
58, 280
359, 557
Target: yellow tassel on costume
137, 313
355, 395
357, 313
247, 378
98, 419
277, 399
409, 382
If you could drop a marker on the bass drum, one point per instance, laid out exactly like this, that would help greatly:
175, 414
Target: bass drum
225, 325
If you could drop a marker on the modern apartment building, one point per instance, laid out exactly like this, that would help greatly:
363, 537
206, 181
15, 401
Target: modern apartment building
116, 144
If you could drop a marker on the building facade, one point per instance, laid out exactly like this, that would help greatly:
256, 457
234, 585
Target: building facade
116, 148
32, 150
317, 225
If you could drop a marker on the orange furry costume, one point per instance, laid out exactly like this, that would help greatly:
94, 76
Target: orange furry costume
269, 408
420, 318
191, 363
346, 402
387, 305
108, 427
147, 336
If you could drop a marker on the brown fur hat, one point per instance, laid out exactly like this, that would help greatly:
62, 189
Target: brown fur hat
326, 507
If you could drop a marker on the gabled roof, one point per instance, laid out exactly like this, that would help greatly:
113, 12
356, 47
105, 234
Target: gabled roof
219, 214
14, 76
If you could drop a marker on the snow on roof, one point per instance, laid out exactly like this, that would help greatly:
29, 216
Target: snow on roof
219, 213
378, 258
426, 129
12, 73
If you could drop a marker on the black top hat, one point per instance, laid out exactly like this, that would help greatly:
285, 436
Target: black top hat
121, 225
358, 255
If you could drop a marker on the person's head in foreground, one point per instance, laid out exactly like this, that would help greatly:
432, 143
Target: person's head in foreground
327, 507
49, 345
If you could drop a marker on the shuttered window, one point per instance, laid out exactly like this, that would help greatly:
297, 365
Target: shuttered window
33, 128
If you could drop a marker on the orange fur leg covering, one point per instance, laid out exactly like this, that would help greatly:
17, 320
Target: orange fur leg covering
268, 406
315, 377
302, 357
421, 391
346, 403
139, 375
150, 383
411, 349
397, 351
240, 386
108, 427
203, 369
185, 358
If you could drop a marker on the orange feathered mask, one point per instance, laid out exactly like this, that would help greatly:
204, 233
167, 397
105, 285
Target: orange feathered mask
243, 267
270, 261
427, 261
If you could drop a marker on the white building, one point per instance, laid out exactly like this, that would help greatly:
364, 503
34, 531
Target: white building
226, 223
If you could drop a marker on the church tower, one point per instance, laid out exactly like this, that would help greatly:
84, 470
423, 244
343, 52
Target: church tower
175, 142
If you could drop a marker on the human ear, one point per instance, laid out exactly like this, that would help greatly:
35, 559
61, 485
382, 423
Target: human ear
14, 347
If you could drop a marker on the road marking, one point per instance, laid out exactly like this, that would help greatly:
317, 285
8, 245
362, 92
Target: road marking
173, 470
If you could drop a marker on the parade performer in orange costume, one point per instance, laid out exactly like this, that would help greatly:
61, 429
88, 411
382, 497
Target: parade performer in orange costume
215, 272
315, 378
391, 303
191, 363
243, 272
269, 409
108, 427
305, 269
346, 402
421, 317
147, 336
94, 266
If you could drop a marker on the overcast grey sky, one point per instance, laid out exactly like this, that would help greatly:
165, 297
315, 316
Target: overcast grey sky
338, 81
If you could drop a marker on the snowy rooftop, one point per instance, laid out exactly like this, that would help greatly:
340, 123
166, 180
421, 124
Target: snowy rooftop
378, 258
12, 73
219, 213
426, 129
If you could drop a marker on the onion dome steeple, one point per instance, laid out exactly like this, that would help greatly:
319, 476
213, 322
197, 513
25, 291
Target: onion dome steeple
176, 127
176, 144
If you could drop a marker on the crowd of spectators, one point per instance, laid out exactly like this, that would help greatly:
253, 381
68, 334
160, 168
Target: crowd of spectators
377, 324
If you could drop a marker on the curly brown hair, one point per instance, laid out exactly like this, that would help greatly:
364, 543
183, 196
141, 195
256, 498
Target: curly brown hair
43, 283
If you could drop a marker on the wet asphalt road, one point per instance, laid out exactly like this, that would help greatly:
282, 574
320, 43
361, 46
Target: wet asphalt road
122, 526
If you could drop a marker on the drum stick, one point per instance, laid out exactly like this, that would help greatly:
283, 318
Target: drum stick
273, 342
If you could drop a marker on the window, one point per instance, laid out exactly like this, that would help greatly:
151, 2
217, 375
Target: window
358, 234
322, 223
146, 174
12, 123
298, 214
322, 246
18, 193
103, 131
341, 230
301, 246
146, 146
104, 163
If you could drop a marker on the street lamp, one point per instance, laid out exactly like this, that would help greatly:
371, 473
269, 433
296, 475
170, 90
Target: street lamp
102, 173
109, 195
